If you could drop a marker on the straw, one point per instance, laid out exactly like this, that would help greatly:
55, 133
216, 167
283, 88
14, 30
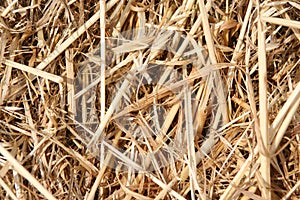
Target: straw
149, 99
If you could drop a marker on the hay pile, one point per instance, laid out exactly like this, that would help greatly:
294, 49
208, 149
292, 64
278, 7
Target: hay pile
149, 99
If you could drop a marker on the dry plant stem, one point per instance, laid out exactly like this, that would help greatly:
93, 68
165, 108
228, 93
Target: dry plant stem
213, 59
190, 142
8, 190
30, 121
102, 65
22, 171
207, 33
282, 22
168, 121
284, 110
34, 71
264, 116
296, 31
124, 15
5, 82
70, 83
103, 55
84, 97
17, 184
288, 195
9, 8
284, 126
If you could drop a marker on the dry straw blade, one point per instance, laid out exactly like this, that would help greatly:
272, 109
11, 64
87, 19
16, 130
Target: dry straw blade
282, 22
34, 71
265, 168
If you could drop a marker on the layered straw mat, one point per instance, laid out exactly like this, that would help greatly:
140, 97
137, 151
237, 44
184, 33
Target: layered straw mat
172, 99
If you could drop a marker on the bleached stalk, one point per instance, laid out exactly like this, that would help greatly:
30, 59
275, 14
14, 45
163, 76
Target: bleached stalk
264, 115
103, 63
